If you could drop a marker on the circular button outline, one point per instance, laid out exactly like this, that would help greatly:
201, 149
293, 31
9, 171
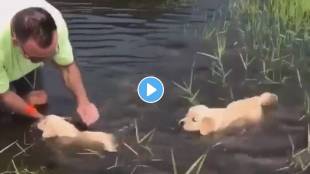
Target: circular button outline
161, 84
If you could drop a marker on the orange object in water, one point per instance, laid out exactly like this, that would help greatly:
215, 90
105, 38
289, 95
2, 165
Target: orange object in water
30, 110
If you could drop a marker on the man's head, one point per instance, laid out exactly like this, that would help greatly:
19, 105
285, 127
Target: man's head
34, 31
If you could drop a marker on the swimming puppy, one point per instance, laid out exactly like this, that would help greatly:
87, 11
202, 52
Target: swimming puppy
237, 114
57, 127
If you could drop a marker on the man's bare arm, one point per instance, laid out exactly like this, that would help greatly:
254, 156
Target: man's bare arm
19, 105
87, 110
72, 77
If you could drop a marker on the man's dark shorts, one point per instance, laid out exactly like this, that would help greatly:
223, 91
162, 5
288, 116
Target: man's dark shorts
29, 82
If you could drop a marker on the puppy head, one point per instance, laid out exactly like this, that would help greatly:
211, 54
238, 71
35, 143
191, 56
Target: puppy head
53, 126
196, 120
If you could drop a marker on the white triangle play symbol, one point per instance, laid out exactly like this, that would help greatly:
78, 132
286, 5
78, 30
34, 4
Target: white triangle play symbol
150, 89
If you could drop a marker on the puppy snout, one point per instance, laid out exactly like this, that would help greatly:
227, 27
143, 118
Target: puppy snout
180, 125
181, 122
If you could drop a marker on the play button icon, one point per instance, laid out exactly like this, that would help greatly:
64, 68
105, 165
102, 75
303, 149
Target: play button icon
150, 89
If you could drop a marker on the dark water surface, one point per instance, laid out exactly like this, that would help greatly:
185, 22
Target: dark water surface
117, 43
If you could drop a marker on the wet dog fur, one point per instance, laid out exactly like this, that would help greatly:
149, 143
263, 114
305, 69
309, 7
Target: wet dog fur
237, 114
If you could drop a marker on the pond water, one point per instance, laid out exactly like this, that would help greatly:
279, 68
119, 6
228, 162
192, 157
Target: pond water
117, 43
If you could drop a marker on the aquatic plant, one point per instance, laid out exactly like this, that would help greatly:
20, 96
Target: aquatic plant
189, 95
293, 14
13, 168
195, 167
217, 66
300, 159
289, 14
274, 31
22, 170
141, 142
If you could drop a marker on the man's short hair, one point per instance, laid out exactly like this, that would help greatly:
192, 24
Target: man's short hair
35, 23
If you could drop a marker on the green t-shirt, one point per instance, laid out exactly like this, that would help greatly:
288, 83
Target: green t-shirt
13, 64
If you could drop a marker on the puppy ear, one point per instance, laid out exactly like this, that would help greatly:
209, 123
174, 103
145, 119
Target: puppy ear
207, 126
48, 133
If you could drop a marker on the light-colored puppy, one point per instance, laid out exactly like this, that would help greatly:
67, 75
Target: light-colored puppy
54, 126
237, 114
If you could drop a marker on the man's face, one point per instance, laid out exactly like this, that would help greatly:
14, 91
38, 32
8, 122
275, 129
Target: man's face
35, 53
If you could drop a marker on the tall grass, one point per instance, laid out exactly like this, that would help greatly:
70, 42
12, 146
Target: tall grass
22, 170
187, 88
301, 158
13, 168
293, 14
218, 69
276, 32
196, 167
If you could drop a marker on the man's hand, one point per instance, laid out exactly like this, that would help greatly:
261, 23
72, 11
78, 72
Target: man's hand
88, 113
87, 110
38, 97
18, 105
38, 116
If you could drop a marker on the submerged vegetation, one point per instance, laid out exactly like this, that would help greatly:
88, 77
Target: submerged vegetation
194, 168
13, 167
277, 33
271, 41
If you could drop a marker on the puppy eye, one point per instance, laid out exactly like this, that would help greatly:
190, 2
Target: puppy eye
194, 119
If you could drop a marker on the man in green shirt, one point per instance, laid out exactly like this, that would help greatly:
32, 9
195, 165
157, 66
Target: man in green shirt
33, 32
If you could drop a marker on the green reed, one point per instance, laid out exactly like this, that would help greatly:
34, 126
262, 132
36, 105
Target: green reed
189, 94
194, 168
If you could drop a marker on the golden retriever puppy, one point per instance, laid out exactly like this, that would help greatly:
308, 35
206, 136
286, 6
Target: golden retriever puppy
57, 127
237, 114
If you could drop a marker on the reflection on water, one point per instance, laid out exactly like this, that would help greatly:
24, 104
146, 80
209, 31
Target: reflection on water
116, 44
